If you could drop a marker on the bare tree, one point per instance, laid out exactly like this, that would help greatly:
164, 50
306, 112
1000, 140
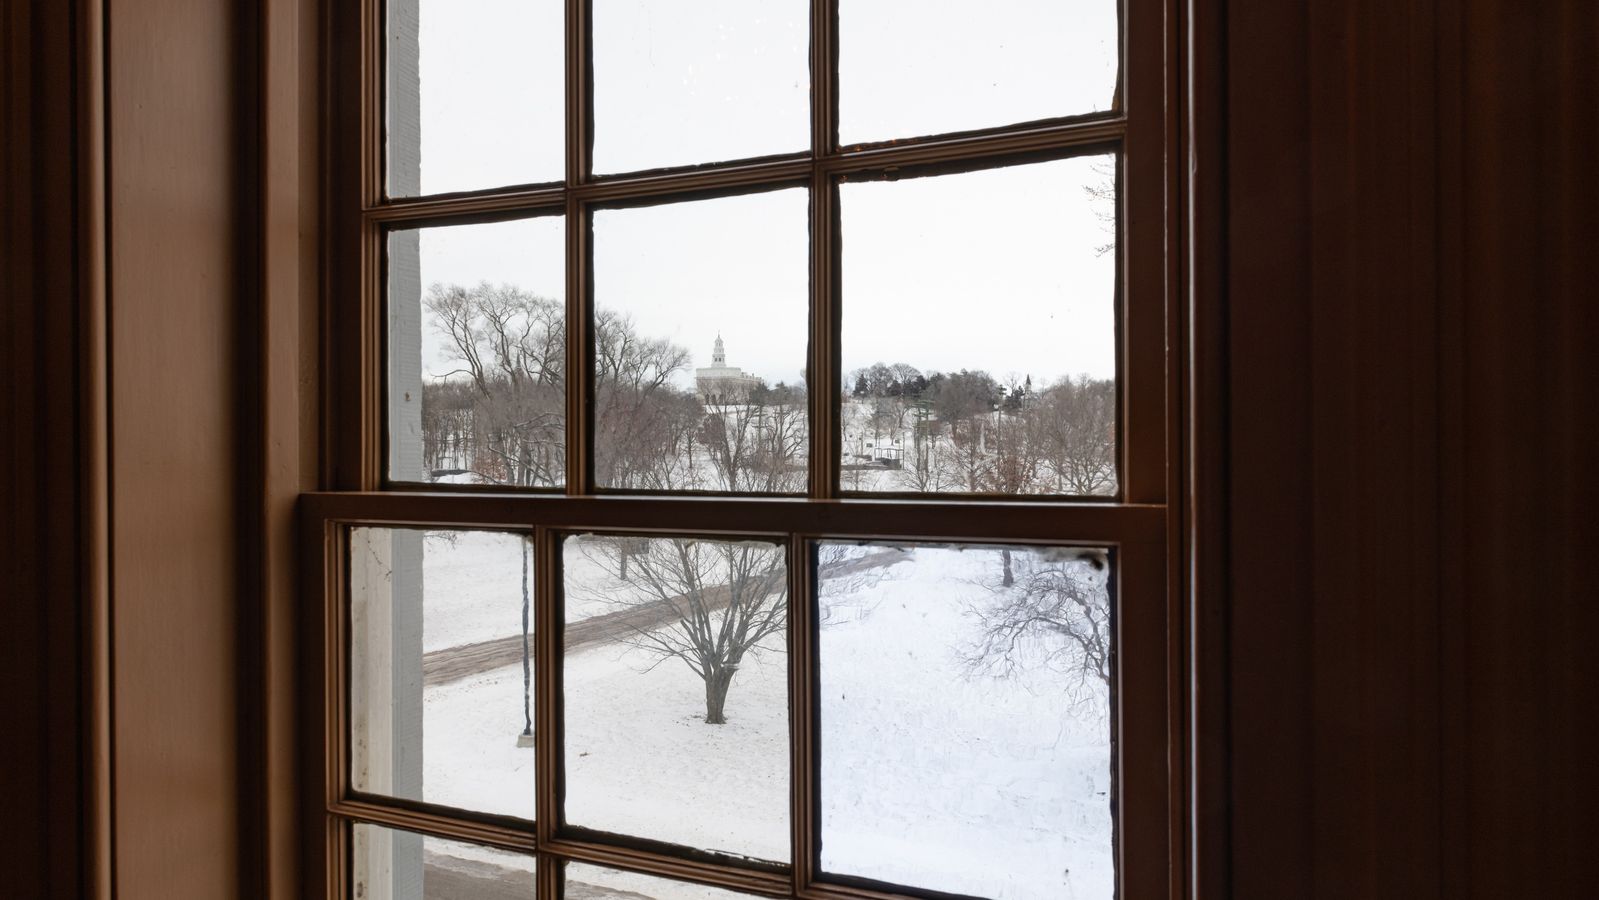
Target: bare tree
447, 425
719, 600
1076, 429
932, 465
968, 447
755, 439
1101, 193
643, 424
1057, 615
961, 395
1012, 457
510, 346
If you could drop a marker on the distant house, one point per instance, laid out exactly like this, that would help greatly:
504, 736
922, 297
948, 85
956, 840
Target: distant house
720, 382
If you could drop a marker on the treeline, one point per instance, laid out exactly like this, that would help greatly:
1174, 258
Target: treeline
968, 431
500, 414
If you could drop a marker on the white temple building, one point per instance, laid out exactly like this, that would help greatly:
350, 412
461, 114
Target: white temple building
720, 382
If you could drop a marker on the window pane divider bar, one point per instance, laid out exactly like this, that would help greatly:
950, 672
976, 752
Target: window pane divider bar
548, 631
1064, 136
968, 521
802, 664
822, 375
730, 875
579, 312
822, 369
727, 875
428, 823
551, 198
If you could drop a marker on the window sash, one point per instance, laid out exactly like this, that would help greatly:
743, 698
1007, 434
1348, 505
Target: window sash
1141, 809
1139, 524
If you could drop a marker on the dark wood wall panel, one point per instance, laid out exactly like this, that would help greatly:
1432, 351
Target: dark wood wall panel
42, 670
177, 281
1269, 431
1413, 447
1523, 518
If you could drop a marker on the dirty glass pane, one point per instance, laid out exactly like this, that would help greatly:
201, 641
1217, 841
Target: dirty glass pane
676, 691
966, 718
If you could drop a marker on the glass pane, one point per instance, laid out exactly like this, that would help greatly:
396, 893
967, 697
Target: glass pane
909, 68
390, 864
676, 687
700, 339
586, 882
679, 82
475, 94
477, 354
441, 706
979, 331
965, 718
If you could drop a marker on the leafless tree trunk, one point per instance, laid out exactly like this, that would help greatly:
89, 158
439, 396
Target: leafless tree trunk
1075, 423
755, 439
724, 599
509, 345
717, 681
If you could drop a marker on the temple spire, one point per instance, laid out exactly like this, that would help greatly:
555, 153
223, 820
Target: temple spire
719, 354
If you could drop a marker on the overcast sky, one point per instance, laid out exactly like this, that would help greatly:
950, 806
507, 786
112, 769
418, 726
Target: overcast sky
995, 270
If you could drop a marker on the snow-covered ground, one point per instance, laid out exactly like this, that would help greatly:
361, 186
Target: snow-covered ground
931, 776
472, 587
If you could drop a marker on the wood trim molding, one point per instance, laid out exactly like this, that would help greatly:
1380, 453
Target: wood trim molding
1404, 290
55, 835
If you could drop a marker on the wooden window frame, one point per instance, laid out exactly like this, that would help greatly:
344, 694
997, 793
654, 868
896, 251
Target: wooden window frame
1142, 526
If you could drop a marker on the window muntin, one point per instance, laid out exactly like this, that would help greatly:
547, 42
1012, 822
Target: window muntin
1132, 524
